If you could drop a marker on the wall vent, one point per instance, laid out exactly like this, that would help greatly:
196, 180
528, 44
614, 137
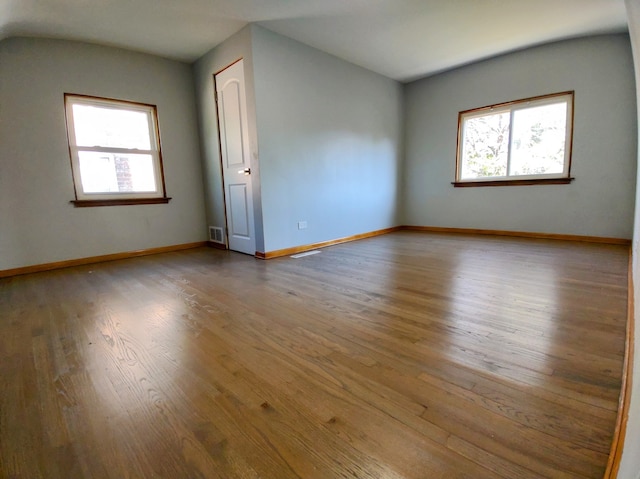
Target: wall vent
216, 234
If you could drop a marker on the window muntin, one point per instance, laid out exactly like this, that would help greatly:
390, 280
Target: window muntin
523, 140
115, 149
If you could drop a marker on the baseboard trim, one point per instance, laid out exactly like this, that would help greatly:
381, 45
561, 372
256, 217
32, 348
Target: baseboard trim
301, 249
37, 268
619, 434
522, 234
439, 229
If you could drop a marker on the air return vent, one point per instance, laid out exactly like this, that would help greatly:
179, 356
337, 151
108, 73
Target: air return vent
216, 235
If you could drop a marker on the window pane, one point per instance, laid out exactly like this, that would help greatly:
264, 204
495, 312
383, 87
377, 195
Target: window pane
116, 173
538, 140
96, 126
485, 146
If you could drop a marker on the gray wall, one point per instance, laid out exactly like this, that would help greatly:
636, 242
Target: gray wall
235, 47
37, 222
600, 200
330, 143
630, 463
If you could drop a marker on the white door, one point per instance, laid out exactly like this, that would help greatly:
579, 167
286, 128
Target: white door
236, 158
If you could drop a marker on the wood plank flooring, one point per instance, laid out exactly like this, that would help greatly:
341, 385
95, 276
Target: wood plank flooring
408, 355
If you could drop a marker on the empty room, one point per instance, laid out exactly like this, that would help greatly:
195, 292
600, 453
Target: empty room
273, 239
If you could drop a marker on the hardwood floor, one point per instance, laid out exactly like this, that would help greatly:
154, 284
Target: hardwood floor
408, 355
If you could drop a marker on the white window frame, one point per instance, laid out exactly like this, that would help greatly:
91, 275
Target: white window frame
512, 107
113, 198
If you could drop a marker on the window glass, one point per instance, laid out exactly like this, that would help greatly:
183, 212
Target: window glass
538, 140
116, 172
485, 149
116, 128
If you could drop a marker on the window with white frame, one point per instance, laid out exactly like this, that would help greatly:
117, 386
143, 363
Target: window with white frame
115, 151
520, 142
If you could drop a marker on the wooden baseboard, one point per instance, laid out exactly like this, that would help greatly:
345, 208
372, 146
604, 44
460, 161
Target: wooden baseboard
97, 259
439, 229
522, 234
301, 249
615, 454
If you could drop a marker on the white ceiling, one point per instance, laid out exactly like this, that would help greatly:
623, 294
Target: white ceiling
402, 39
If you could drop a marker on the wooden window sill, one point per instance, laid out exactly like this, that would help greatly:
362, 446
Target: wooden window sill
120, 202
533, 181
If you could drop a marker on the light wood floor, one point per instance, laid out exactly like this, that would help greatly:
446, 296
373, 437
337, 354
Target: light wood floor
408, 355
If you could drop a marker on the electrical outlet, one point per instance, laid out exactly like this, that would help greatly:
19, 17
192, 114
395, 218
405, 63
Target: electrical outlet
302, 225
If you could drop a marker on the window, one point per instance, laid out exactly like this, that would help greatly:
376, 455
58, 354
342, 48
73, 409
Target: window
521, 142
115, 152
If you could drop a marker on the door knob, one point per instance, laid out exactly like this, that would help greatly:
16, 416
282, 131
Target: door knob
246, 171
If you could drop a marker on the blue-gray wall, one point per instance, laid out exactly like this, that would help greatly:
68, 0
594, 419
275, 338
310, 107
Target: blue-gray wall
600, 200
37, 223
329, 143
